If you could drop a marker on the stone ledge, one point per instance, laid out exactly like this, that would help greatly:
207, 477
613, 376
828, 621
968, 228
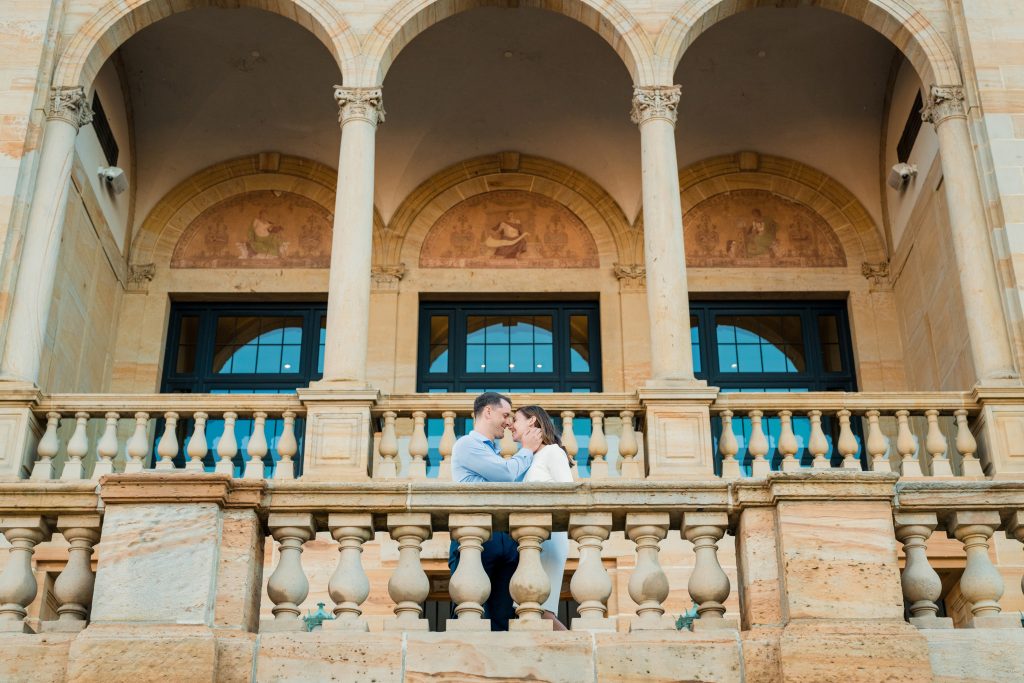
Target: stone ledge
184, 487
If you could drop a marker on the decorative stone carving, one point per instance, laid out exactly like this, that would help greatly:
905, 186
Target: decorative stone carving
363, 104
140, 275
387, 277
878, 273
70, 104
655, 102
509, 229
752, 228
258, 229
631, 276
945, 101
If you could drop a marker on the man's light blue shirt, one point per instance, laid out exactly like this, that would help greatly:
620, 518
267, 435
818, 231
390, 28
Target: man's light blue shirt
477, 458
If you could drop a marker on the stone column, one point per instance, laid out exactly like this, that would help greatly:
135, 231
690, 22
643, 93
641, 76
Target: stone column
979, 284
654, 111
68, 111
17, 582
348, 304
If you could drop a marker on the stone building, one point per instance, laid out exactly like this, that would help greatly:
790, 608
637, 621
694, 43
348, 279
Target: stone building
760, 260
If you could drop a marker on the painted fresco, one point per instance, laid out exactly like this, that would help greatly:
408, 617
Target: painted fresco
258, 229
758, 229
508, 229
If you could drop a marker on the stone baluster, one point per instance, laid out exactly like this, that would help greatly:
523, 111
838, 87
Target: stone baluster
630, 467
936, 445
49, 446
590, 585
197, 447
729, 448
288, 585
257, 447
73, 588
847, 442
227, 447
876, 444
921, 584
530, 586
757, 446
788, 445
507, 444
598, 447
967, 447
447, 445
569, 442
78, 448
349, 586
906, 446
470, 586
648, 584
106, 448
387, 468
17, 582
167, 449
408, 585
1015, 528
137, 447
817, 444
709, 586
981, 583
418, 446
287, 447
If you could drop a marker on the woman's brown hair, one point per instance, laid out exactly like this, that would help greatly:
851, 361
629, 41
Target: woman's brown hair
548, 434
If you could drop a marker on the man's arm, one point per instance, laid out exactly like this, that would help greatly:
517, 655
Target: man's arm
476, 457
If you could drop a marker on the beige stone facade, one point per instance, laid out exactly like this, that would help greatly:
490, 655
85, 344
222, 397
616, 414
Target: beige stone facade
646, 159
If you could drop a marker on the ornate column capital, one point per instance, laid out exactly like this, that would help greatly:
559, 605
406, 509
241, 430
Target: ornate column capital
655, 102
364, 104
69, 104
944, 101
387, 277
878, 274
631, 276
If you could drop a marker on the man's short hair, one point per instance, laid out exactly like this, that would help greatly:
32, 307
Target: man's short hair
488, 398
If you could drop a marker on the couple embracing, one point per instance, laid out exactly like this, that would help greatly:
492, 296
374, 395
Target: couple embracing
477, 458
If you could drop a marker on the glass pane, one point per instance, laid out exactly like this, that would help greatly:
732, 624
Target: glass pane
323, 345
268, 358
438, 359
497, 329
760, 343
475, 325
187, 340
521, 358
542, 326
521, 330
828, 333
475, 358
290, 355
438, 343
542, 358
695, 343
579, 343
497, 358
251, 344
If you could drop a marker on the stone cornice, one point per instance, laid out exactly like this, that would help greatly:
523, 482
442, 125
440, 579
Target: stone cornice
944, 102
359, 104
49, 498
70, 105
655, 102
181, 488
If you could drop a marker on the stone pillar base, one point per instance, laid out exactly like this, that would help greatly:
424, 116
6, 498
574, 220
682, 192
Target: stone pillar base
1000, 431
678, 435
19, 430
129, 653
995, 621
931, 622
862, 652
339, 434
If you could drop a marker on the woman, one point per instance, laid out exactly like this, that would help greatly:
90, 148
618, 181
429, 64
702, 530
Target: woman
550, 464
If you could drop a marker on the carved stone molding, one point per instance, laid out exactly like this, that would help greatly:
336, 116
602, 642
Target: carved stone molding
631, 276
945, 101
655, 102
140, 275
365, 104
877, 273
69, 104
387, 277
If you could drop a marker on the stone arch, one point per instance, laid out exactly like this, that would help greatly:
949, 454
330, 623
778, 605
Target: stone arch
904, 26
168, 221
404, 235
409, 18
791, 181
118, 20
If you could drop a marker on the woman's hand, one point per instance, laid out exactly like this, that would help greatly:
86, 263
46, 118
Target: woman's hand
532, 439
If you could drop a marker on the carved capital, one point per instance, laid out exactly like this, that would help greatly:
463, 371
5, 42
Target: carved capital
140, 275
877, 273
631, 276
944, 101
655, 102
387, 277
69, 104
363, 104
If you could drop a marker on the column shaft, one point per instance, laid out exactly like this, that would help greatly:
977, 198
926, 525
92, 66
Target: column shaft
654, 110
348, 303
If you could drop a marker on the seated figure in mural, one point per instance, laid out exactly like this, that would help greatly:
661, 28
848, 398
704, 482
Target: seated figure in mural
264, 237
507, 238
550, 464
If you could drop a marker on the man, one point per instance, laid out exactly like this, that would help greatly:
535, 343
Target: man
476, 457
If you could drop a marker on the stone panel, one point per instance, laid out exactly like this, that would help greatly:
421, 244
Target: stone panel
143, 654
29, 658
976, 656
329, 656
667, 658
854, 652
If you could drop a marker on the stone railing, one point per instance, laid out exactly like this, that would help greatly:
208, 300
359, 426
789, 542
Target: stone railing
128, 433
916, 435
611, 434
